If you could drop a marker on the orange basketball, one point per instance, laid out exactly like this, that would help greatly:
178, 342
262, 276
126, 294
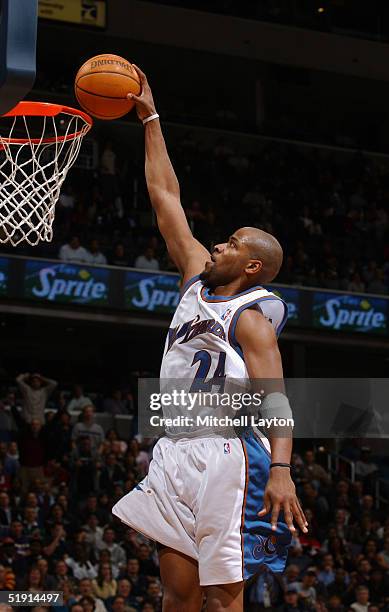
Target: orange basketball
102, 85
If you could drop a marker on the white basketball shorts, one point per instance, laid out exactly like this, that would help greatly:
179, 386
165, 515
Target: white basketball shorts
201, 497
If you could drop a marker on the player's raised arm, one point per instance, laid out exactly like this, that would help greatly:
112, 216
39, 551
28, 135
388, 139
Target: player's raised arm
162, 184
257, 338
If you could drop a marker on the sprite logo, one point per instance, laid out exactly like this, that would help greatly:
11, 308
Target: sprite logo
351, 313
67, 283
155, 293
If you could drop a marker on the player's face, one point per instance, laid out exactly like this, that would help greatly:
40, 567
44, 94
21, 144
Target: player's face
228, 262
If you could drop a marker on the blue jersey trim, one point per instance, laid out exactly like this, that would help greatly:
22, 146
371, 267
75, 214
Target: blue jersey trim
188, 284
231, 332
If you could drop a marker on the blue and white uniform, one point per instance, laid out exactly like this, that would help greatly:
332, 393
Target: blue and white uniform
205, 485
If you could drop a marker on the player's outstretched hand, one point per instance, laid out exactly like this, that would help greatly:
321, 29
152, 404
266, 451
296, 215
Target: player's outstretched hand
144, 102
280, 495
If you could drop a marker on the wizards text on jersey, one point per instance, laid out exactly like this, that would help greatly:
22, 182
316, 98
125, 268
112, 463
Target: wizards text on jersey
189, 330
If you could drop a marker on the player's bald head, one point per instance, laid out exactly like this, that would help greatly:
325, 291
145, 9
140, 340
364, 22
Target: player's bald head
263, 247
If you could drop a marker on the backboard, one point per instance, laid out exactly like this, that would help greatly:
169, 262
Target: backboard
18, 33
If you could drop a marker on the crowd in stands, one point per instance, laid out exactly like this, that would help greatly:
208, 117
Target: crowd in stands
330, 216
60, 475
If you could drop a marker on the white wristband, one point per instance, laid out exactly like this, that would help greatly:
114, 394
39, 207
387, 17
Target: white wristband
151, 118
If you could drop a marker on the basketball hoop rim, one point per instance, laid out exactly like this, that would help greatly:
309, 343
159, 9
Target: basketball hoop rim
46, 109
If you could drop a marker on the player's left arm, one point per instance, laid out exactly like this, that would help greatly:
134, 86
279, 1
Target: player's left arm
258, 341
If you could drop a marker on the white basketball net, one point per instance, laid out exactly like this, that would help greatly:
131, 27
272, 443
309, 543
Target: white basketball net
32, 173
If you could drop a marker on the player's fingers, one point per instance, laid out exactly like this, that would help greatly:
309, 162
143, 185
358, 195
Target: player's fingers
132, 96
299, 517
301, 512
274, 515
142, 75
288, 515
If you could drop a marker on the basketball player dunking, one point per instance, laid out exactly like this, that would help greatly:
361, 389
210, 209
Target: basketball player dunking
218, 507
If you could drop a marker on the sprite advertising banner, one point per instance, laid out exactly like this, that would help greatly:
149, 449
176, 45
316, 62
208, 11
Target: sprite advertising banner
152, 292
129, 290
352, 313
66, 283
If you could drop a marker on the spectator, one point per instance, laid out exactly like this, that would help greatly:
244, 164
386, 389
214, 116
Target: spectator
87, 427
119, 257
94, 255
314, 472
104, 586
84, 463
79, 400
32, 449
80, 565
86, 590
364, 467
7, 579
116, 404
111, 474
36, 391
118, 556
73, 252
362, 600
291, 601
147, 261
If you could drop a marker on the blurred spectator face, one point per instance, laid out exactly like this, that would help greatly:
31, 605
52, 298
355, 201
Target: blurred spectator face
74, 243
61, 569
362, 595
119, 250
87, 603
35, 382
118, 604
367, 502
36, 426
291, 598
78, 391
340, 575
132, 567
4, 500
87, 414
16, 529
148, 607
65, 419
105, 556
328, 562
76, 608
85, 587
342, 488
93, 521
63, 501
13, 448
144, 552
31, 500
43, 566
309, 457
106, 571
364, 566
34, 577
154, 590
340, 516
292, 572
371, 547
30, 515
309, 579
124, 588
111, 459
334, 602
149, 253
94, 246
109, 536
91, 503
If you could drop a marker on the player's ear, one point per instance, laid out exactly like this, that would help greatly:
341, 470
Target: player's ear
254, 266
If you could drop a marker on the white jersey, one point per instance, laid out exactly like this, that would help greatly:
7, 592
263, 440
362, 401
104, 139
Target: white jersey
201, 343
